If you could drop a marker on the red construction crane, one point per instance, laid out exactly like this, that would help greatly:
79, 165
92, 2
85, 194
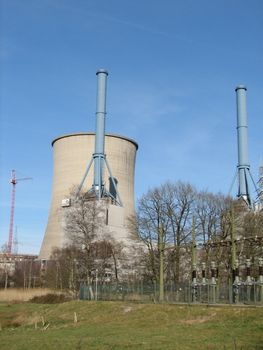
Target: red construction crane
13, 181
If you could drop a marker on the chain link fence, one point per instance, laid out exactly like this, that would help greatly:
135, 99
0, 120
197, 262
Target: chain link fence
181, 293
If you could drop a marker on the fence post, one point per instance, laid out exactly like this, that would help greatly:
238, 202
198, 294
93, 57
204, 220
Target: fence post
248, 280
194, 282
260, 279
161, 265
213, 281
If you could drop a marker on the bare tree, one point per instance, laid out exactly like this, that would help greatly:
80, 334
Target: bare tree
212, 212
164, 225
153, 227
180, 198
84, 220
90, 249
169, 210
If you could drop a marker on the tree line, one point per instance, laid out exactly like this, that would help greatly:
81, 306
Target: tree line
174, 224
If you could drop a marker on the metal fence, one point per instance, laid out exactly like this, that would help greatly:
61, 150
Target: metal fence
182, 293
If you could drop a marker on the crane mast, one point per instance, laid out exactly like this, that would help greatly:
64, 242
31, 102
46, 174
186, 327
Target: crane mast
13, 181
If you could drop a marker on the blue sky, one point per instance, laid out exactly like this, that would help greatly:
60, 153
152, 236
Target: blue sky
173, 68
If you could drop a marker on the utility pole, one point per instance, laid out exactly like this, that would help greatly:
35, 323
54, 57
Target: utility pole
233, 244
194, 281
260, 278
161, 264
96, 285
233, 257
30, 274
193, 244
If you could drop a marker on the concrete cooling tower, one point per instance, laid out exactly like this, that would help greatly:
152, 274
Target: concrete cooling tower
72, 153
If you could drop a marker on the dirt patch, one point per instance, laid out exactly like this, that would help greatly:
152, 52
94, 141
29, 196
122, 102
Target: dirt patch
22, 320
199, 319
127, 309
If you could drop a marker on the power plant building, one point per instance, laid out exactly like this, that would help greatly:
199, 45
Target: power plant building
71, 156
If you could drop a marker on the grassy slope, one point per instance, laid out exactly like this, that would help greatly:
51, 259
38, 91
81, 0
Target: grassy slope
117, 325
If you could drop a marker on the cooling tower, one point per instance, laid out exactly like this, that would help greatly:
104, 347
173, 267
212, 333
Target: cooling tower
71, 154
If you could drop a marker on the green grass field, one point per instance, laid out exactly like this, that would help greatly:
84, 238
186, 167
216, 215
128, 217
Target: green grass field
126, 325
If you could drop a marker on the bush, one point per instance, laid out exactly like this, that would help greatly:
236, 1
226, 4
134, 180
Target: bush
50, 298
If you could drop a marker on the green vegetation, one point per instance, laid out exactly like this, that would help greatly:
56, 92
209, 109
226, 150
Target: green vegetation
116, 325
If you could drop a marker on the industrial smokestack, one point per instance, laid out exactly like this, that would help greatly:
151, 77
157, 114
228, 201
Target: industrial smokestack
99, 155
242, 140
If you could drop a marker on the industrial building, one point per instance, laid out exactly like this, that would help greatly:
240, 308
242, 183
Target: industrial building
80, 161
71, 155
103, 165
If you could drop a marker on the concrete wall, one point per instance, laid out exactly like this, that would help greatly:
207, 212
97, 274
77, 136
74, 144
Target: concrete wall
72, 154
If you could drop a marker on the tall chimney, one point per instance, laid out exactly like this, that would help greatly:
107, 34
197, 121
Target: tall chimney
242, 140
99, 155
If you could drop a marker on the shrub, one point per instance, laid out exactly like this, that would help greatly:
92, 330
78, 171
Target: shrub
50, 298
